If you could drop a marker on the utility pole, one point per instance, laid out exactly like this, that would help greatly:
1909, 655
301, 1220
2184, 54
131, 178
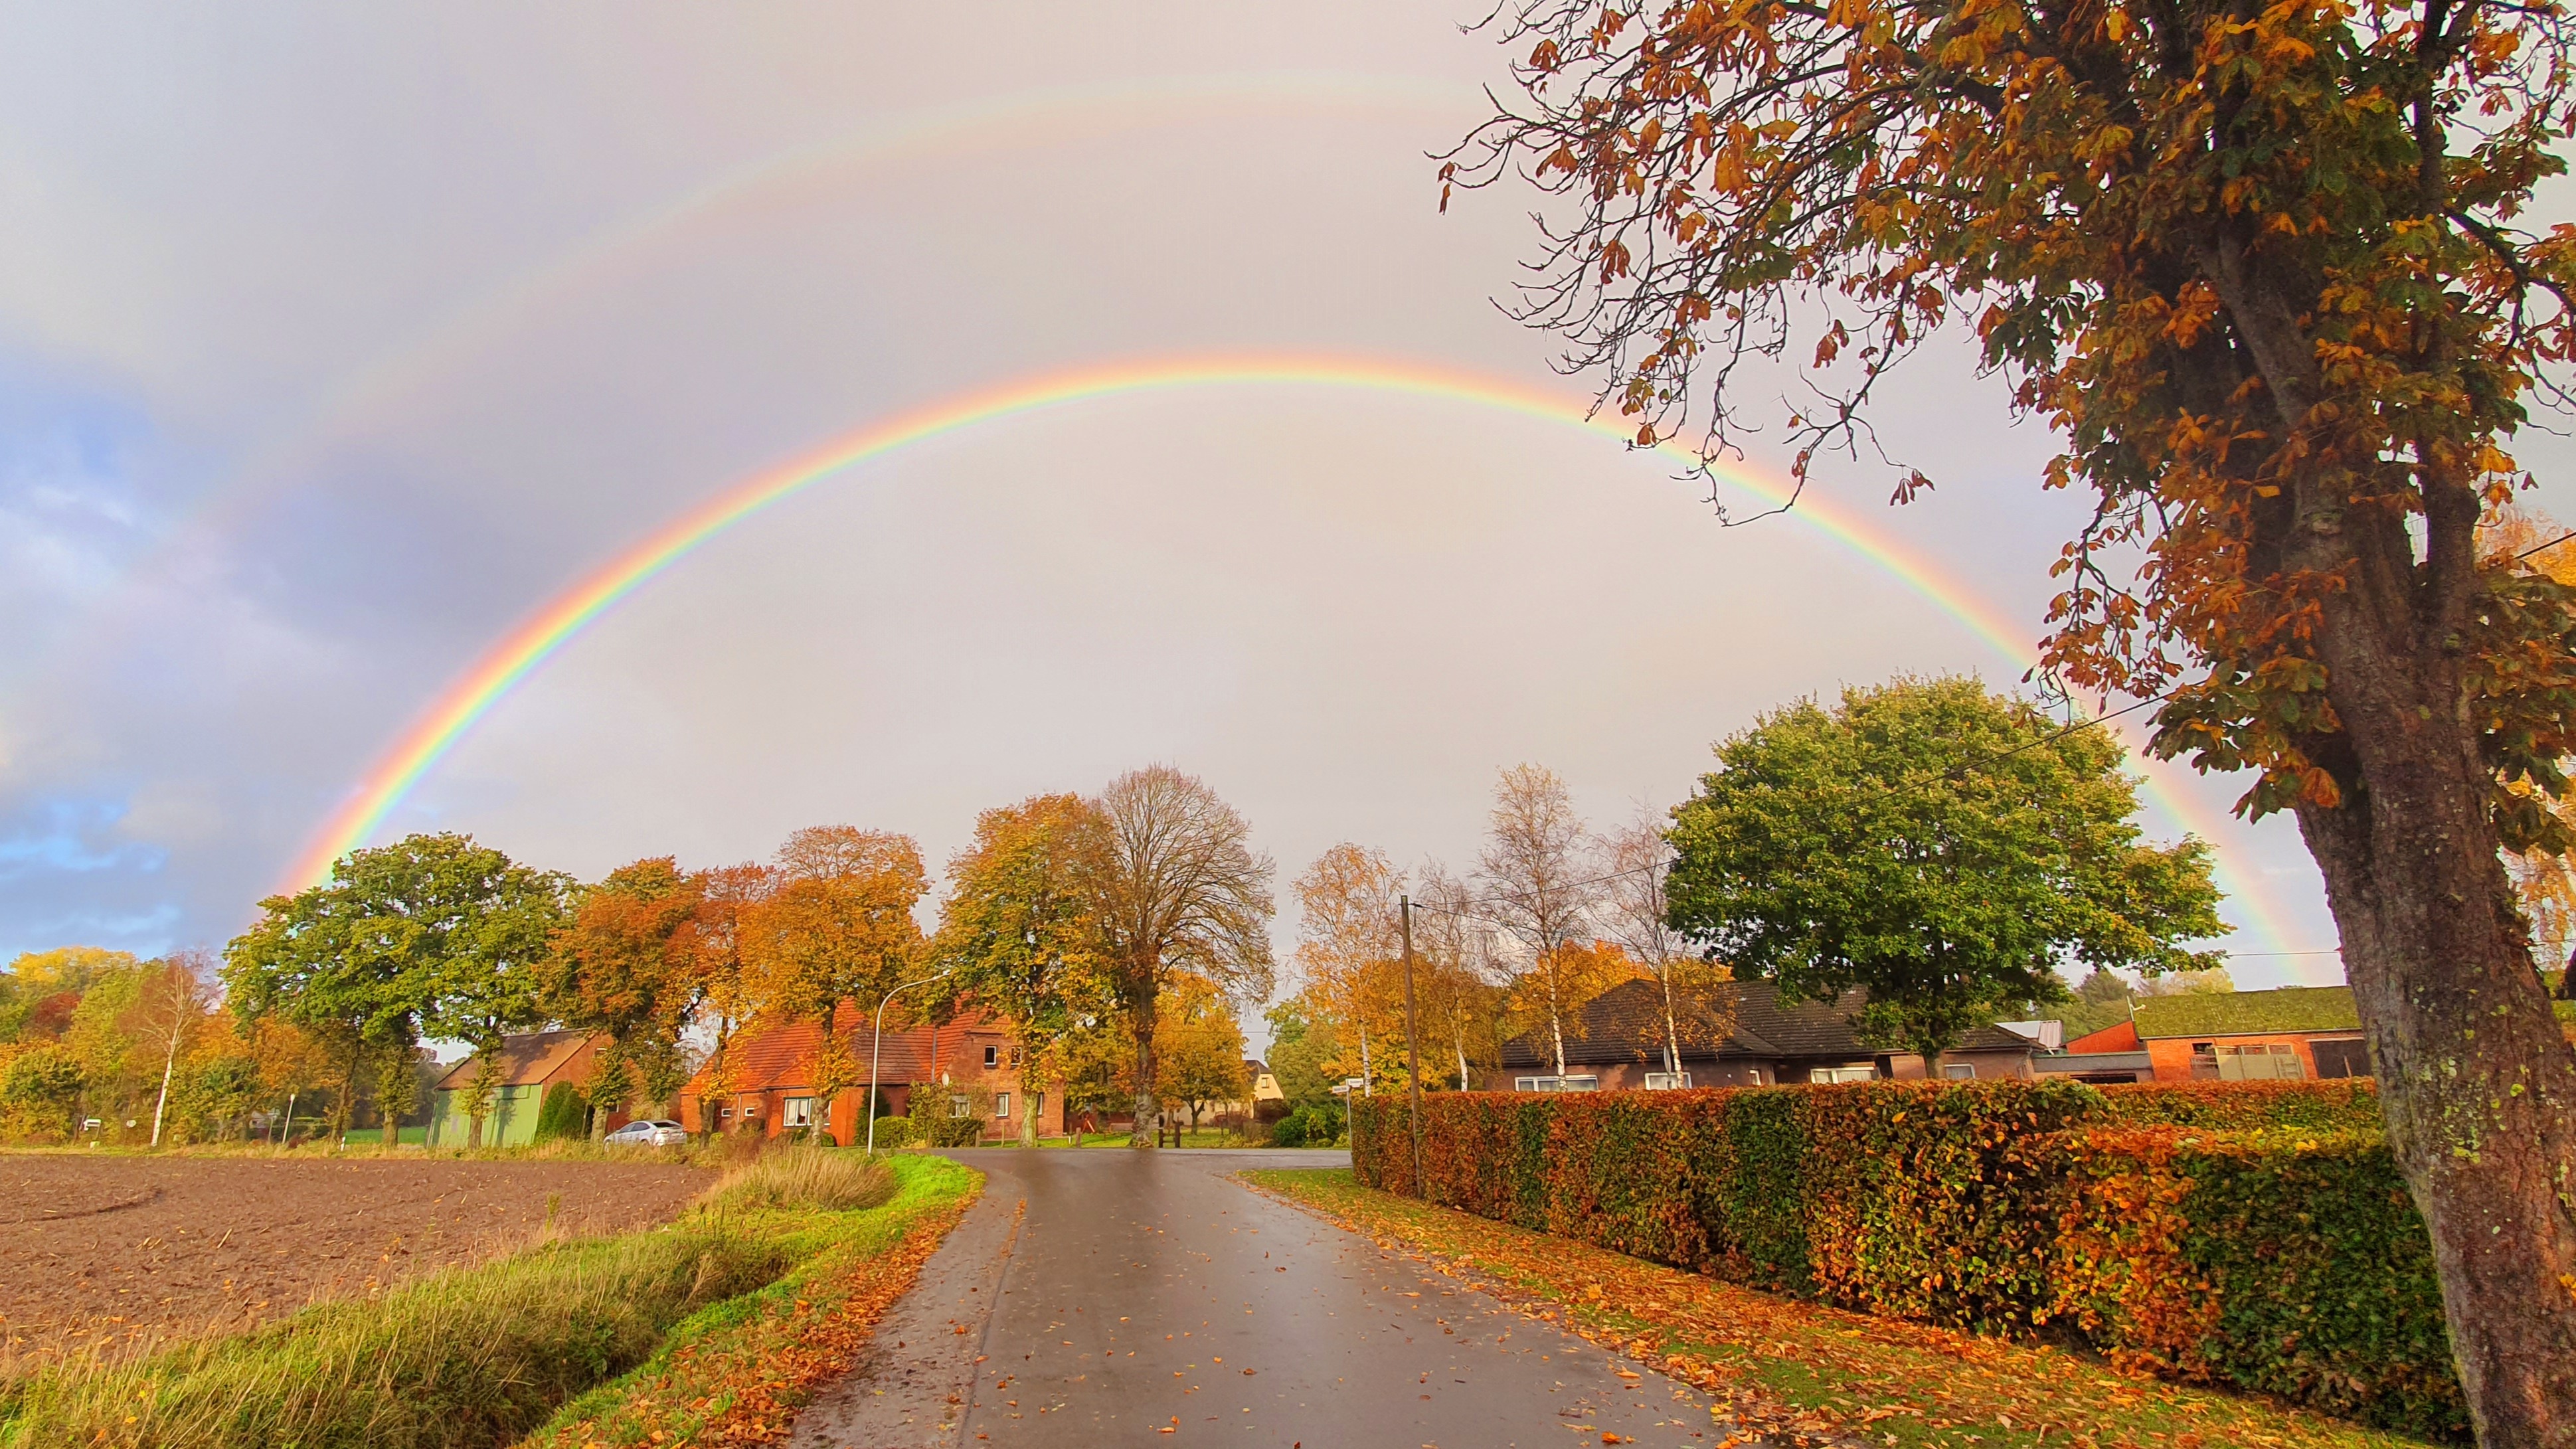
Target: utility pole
1412, 1063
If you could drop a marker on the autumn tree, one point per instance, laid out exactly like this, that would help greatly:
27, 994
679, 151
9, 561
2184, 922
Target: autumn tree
170, 1013
1541, 884
1637, 913
1198, 1053
1461, 1007
1185, 893
725, 992
1348, 944
837, 926
1021, 930
2265, 270
620, 970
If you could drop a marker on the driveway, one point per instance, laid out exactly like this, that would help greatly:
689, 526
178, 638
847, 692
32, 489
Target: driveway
1104, 1297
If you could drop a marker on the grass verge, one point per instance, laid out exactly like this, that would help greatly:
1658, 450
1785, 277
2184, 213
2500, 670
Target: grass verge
477, 1357
1792, 1370
735, 1373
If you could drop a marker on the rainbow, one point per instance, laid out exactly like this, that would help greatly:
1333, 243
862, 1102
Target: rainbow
540, 635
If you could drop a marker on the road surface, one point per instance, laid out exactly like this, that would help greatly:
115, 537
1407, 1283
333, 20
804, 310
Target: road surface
1105, 1297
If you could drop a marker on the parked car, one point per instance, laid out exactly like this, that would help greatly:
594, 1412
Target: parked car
649, 1134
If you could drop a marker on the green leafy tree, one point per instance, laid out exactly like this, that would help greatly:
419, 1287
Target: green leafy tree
1021, 929
1302, 1040
475, 930
1935, 845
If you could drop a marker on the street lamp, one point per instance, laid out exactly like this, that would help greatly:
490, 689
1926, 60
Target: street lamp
876, 1050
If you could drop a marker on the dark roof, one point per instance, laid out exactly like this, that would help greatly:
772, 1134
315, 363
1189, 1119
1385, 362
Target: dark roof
780, 1055
526, 1061
1626, 1024
2290, 1009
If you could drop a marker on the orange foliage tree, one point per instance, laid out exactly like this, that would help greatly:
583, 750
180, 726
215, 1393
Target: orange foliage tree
838, 926
725, 991
2262, 267
621, 970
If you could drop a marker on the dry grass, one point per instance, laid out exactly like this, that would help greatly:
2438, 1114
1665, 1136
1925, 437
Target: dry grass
836, 1180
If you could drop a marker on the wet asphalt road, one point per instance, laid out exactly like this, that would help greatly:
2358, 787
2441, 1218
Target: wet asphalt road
1126, 1298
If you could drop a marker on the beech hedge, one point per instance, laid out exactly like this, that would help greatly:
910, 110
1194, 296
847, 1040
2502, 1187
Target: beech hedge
2247, 1234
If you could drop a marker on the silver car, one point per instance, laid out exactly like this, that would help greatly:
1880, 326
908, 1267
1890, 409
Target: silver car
649, 1134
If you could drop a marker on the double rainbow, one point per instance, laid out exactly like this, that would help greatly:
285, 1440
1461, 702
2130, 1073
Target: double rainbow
536, 638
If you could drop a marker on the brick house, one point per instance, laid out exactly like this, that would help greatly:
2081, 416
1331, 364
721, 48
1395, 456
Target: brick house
1616, 1043
772, 1072
2295, 1032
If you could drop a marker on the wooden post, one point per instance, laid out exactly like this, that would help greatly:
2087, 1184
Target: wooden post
1412, 1063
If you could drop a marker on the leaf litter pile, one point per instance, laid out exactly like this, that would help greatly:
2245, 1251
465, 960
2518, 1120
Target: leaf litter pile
1793, 1372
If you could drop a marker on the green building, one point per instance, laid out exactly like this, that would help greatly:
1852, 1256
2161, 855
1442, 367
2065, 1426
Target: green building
528, 1065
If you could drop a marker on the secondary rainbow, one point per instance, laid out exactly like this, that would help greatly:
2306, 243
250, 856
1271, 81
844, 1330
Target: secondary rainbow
537, 637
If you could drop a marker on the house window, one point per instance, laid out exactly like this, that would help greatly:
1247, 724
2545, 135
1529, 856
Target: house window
2204, 1061
2259, 1062
992, 1056
1666, 1081
723, 1112
1556, 1084
2341, 1057
958, 1107
1002, 1105
1959, 1071
800, 1112
1856, 1072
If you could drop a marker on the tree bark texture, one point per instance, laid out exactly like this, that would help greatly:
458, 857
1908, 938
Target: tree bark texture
1149, 1107
2477, 1082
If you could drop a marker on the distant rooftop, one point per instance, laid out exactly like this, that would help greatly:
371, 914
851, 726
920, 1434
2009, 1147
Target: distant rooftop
2248, 1013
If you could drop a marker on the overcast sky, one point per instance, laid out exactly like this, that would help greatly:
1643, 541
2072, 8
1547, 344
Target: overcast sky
334, 340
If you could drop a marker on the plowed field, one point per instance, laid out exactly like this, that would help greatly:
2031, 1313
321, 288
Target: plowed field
136, 1248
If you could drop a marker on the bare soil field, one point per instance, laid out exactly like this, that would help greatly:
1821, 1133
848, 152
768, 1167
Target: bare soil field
131, 1249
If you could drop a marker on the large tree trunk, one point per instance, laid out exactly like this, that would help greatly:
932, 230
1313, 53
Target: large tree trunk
2477, 1082
1149, 1106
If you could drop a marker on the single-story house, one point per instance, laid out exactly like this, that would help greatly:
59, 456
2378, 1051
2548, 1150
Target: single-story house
1615, 1042
2291, 1033
771, 1072
528, 1065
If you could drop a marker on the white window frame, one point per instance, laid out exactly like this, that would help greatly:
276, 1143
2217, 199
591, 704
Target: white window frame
796, 1112
959, 1107
1668, 1081
1567, 1083
1958, 1071
1002, 1105
992, 1057
1849, 1072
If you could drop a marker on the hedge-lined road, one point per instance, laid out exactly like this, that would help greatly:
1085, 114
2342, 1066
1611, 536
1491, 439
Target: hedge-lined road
1116, 1298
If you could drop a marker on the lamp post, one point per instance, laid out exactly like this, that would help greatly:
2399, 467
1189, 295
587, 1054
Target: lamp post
876, 1050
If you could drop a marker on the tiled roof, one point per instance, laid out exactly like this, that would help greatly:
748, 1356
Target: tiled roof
772, 1057
1626, 1024
2248, 1013
526, 1061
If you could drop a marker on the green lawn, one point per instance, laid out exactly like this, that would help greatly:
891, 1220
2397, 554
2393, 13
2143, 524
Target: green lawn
1787, 1367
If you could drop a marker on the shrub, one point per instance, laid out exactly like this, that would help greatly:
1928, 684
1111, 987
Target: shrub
2288, 1263
893, 1132
2003, 1206
563, 1114
1312, 1124
2347, 1105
